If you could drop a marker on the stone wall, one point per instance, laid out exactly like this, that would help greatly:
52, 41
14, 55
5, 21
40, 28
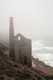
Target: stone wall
23, 50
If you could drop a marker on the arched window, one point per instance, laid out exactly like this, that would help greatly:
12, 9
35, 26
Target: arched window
19, 38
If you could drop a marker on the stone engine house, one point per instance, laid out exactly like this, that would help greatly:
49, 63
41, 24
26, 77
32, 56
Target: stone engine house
19, 47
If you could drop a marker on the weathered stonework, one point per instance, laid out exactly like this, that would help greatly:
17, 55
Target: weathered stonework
23, 50
20, 48
11, 39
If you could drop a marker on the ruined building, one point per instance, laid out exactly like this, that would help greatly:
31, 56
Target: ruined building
19, 47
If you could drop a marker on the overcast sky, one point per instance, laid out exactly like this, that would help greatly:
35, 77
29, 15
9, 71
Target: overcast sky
33, 18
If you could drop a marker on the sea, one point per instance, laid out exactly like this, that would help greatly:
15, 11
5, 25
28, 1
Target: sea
42, 53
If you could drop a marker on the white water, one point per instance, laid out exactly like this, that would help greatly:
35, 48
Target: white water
42, 52
46, 58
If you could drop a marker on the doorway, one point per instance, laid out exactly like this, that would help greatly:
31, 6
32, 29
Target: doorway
25, 60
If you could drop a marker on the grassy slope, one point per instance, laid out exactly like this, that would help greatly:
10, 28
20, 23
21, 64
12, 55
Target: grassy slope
10, 70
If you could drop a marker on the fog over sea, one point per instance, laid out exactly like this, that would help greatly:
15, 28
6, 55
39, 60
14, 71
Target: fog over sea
42, 52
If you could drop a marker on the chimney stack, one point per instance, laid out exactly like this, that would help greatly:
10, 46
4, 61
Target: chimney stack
11, 38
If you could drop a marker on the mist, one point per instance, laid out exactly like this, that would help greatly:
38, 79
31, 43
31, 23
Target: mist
32, 18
